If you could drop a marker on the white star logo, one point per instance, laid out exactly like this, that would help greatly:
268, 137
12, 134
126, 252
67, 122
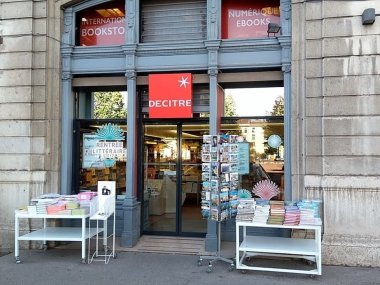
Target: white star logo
183, 82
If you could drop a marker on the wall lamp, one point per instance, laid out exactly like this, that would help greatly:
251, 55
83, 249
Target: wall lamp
273, 28
369, 16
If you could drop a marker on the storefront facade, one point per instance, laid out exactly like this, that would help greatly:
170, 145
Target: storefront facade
220, 45
112, 55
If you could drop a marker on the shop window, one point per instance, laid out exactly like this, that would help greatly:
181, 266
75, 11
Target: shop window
248, 102
101, 25
248, 19
257, 115
168, 21
110, 105
100, 140
102, 154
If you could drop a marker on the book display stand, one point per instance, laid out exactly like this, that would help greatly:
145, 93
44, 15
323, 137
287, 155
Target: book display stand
79, 234
295, 248
103, 252
220, 180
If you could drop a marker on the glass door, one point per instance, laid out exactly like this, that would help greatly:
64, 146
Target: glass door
160, 157
191, 178
171, 179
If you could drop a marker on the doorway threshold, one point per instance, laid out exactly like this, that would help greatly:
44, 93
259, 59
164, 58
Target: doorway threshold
167, 244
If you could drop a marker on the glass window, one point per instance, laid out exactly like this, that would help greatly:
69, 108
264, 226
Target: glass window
101, 25
100, 140
265, 161
245, 19
102, 153
257, 114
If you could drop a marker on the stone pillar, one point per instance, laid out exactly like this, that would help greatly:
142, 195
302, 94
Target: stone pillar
285, 41
67, 35
132, 9
215, 100
131, 207
287, 132
67, 110
213, 7
67, 103
211, 242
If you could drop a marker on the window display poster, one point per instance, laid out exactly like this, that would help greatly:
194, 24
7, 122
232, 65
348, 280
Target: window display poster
248, 19
106, 197
98, 27
98, 153
243, 158
90, 159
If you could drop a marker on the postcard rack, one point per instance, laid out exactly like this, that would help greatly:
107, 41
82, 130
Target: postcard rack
218, 256
220, 181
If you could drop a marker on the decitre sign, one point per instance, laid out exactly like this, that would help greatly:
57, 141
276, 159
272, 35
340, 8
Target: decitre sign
170, 95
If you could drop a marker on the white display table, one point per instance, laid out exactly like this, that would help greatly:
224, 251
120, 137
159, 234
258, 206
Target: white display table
309, 249
54, 233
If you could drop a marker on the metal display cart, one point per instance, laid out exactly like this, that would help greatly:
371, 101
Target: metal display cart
102, 251
45, 234
307, 249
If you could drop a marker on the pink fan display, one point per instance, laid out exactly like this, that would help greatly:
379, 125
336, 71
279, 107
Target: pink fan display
266, 189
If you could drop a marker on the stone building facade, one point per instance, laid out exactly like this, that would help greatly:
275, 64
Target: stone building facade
335, 103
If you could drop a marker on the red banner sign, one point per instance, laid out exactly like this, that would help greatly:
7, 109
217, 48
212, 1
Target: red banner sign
248, 19
170, 95
102, 25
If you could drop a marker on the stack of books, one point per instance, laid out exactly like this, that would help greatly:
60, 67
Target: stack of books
277, 212
42, 205
32, 210
292, 215
309, 212
246, 210
55, 208
261, 212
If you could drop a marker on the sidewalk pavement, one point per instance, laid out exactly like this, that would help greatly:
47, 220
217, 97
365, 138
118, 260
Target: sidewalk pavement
62, 266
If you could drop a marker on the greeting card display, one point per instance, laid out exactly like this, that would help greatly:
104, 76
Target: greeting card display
220, 178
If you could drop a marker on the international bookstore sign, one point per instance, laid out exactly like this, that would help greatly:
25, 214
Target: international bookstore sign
170, 95
102, 25
248, 19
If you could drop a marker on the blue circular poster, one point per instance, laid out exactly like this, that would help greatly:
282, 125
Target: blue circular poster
274, 141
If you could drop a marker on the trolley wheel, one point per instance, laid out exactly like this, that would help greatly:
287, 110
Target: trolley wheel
83, 261
209, 269
231, 267
243, 271
199, 263
18, 261
312, 276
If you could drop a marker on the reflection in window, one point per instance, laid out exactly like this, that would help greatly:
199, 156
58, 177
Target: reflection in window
110, 105
266, 160
258, 116
245, 19
101, 25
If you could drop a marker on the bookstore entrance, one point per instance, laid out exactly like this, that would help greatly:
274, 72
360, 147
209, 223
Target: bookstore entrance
172, 169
